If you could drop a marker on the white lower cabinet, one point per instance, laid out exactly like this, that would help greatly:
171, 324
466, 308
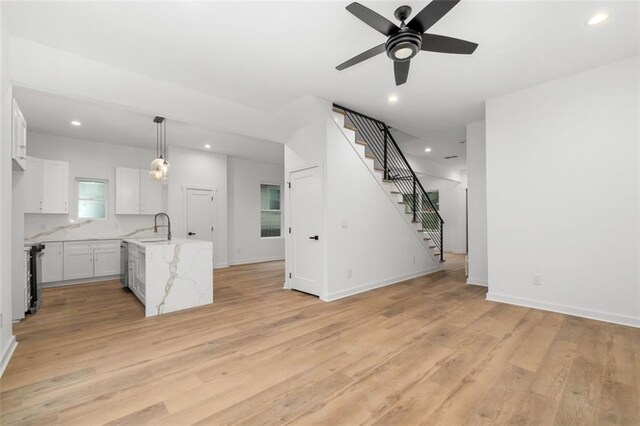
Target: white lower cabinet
106, 259
91, 259
52, 263
137, 271
78, 260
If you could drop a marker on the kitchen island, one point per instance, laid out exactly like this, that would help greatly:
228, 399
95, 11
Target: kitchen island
170, 275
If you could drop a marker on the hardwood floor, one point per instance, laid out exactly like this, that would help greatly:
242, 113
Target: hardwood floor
430, 350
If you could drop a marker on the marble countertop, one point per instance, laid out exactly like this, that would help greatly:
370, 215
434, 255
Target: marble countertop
145, 242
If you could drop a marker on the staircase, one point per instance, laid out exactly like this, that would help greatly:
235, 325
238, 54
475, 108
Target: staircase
374, 141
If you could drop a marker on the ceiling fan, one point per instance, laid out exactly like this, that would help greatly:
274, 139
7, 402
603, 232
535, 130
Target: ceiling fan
405, 41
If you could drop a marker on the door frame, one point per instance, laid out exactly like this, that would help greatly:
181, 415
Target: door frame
323, 273
185, 207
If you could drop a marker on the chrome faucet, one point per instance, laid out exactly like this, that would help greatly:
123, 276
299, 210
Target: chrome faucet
168, 225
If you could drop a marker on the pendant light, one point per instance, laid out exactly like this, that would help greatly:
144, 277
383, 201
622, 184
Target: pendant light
160, 166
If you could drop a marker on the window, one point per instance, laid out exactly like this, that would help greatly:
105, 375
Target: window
429, 217
270, 211
92, 199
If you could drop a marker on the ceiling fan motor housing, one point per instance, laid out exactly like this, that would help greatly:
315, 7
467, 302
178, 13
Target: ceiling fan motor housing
403, 45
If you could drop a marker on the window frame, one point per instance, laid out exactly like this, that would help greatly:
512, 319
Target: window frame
279, 185
105, 182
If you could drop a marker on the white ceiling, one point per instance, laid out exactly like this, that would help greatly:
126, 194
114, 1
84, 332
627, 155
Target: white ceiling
52, 114
266, 54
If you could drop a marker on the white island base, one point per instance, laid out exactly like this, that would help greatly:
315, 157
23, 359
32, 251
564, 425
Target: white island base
168, 276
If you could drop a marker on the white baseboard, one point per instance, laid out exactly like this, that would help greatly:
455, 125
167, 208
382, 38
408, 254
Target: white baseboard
383, 283
8, 352
456, 251
477, 281
81, 281
257, 260
564, 309
222, 265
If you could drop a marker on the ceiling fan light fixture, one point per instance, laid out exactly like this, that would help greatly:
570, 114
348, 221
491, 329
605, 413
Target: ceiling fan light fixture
403, 53
403, 45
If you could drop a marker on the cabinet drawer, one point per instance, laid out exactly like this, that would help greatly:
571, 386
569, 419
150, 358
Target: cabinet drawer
107, 245
78, 245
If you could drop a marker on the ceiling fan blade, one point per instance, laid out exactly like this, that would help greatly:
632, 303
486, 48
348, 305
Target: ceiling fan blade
444, 44
401, 71
362, 57
373, 19
431, 14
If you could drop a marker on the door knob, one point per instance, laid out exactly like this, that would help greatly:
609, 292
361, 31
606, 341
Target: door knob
192, 233
315, 237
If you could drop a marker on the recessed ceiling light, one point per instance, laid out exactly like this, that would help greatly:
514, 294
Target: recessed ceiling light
393, 98
598, 18
207, 146
76, 123
427, 150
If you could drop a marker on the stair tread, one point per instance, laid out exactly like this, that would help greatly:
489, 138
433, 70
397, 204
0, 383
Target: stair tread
338, 110
361, 142
372, 157
350, 127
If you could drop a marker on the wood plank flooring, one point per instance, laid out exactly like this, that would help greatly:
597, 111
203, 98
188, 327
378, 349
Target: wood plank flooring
430, 350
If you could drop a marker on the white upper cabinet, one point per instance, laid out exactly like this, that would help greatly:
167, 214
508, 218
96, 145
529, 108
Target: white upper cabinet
47, 187
33, 177
137, 192
18, 137
55, 188
127, 190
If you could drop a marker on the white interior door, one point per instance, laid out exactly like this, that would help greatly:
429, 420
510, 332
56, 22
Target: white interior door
200, 214
305, 204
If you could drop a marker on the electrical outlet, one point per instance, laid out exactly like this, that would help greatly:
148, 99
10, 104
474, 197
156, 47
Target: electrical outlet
349, 273
537, 279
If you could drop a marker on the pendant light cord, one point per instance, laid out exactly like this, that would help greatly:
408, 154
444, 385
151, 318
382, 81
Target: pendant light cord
164, 138
157, 140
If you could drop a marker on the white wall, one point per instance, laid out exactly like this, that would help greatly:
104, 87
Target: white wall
378, 246
306, 146
198, 169
87, 159
477, 186
563, 194
7, 340
245, 243
431, 168
241, 184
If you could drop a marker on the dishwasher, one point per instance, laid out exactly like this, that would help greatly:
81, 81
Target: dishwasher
124, 264
35, 263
